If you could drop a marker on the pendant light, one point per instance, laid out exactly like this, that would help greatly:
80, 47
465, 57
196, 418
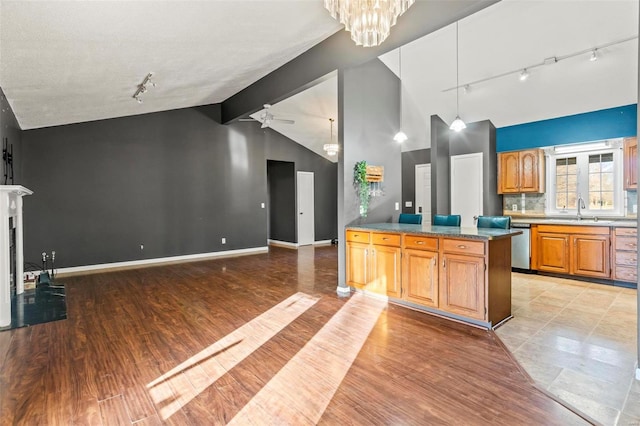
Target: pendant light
457, 124
400, 136
331, 148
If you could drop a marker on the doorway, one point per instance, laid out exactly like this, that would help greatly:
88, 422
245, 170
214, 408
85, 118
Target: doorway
305, 208
466, 187
423, 192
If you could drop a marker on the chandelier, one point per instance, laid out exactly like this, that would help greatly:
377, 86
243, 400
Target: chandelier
331, 148
369, 21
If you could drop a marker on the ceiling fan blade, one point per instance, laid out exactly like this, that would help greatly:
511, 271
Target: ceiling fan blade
264, 125
283, 121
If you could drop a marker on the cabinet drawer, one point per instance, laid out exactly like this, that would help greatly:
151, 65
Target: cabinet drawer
420, 243
626, 243
358, 236
630, 232
626, 258
463, 246
626, 273
385, 239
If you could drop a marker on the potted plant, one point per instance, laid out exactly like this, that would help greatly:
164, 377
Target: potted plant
361, 186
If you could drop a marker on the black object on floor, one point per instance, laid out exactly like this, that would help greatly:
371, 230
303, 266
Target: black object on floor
37, 306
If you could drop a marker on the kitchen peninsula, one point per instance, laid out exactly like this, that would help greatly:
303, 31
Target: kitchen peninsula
455, 272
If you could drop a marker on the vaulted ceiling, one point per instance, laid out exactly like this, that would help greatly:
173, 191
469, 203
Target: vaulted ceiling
75, 61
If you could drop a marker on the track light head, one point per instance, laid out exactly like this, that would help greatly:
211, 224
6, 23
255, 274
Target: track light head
524, 75
594, 55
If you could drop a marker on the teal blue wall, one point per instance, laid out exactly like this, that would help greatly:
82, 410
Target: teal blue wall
591, 126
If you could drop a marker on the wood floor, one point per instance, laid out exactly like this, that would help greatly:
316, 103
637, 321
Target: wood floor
259, 339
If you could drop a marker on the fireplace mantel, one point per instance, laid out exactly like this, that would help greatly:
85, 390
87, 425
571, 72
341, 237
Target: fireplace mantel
10, 207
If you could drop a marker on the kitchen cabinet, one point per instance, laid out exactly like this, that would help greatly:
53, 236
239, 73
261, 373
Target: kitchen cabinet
625, 254
374, 262
574, 250
462, 289
521, 171
463, 277
420, 270
630, 155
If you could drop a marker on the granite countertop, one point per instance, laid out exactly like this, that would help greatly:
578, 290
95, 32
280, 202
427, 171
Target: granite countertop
614, 223
440, 231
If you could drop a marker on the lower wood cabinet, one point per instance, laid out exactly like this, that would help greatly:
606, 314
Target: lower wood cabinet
460, 277
575, 250
374, 262
624, 258
420, 277
462, 288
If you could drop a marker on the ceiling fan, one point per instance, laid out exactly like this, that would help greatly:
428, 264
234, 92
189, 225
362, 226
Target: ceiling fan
266, 118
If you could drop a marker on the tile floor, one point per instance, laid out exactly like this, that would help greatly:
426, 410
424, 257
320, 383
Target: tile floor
579, 341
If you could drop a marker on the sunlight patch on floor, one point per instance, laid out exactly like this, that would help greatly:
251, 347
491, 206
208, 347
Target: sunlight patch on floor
172, 390
301, 391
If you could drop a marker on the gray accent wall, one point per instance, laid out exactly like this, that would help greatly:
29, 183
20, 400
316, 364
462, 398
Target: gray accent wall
175, 181
440, 198
369, 104
409, 161
481, 137
281, 184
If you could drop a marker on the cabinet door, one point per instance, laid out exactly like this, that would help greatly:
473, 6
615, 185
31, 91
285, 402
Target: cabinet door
529, 178
631, 163
553, 252
508, 173
386, 269
590, 255
357, 264
420, 277
462, 289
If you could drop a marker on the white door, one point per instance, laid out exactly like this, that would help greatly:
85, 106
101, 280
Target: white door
306, 221
423, 191
466, 187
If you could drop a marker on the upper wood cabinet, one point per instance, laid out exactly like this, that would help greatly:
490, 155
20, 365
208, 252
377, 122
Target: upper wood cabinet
521, 171
631, 163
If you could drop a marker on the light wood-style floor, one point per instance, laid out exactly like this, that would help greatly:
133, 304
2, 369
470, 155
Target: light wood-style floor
259, 339
578, 340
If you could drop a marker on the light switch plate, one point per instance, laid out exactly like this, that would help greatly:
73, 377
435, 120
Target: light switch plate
262, 205
408, 203
635, 208
514, 207
397, 206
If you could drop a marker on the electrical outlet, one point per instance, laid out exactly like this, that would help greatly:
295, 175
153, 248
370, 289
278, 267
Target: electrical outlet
635, 208
397, 206
514, 207
224, 240
141, 246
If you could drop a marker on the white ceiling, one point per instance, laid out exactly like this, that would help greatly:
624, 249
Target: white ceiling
72, 61
508, 36
75, 61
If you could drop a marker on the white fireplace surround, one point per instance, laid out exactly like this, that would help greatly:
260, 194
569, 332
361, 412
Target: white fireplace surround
10, 207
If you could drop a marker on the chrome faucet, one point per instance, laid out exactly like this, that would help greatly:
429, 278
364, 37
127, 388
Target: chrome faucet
580, 207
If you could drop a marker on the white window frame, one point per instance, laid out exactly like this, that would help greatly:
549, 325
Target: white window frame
582, 152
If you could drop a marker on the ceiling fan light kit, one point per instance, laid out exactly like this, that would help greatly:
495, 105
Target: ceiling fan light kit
368, 21
267, 118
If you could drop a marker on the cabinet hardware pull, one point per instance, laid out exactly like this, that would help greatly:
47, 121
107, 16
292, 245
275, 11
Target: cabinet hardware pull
444, 263
385, 239
420, 242
356, 235
462, 246
631, 244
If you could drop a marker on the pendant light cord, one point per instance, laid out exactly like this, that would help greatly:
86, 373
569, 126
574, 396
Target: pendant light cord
457, 75
400, 71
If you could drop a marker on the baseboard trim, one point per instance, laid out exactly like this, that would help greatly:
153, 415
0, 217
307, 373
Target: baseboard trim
105, 267
287, 244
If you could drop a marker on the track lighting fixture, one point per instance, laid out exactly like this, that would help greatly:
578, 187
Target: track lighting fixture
594, 56
143, 87
524, 75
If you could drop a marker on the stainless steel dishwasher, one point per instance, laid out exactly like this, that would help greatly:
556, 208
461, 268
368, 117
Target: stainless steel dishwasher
521, 247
